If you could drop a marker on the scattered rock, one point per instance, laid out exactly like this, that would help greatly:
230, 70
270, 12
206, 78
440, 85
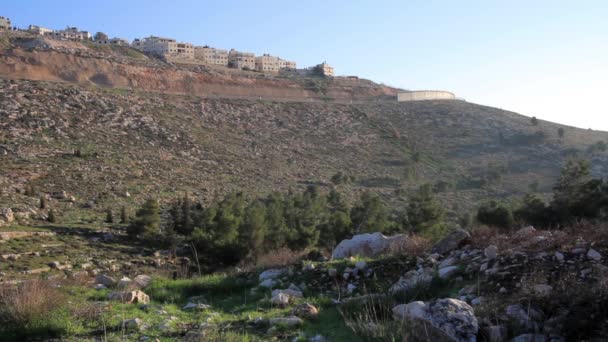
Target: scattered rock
542, 290
133, 324
130, 297
447, 272
6, 215
105, 280
440, 320
361, 265
280, 299
196, 306
142, 281
268, 283
496, 333
491, 252
272, 273
124, 282
454, 240
292, 321
530, 338
332, 272
368, 245
413, 278
305, 311
594, 255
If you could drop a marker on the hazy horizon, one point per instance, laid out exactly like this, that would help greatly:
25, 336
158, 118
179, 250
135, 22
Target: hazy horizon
547, 59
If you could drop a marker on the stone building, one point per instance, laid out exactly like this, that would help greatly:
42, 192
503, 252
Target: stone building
71, 33
164, 47
286, 65
211, 55
5, 23
326, 69
39, 30
241, 60
267, 63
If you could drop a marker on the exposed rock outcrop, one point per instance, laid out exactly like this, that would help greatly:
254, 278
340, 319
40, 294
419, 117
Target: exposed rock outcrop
368, 245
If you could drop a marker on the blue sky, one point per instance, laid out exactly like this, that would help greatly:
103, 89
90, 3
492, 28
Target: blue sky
540, 58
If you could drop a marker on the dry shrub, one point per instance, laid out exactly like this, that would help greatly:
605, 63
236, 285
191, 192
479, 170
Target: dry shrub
415, 246
480, 235
29, 301
277, 258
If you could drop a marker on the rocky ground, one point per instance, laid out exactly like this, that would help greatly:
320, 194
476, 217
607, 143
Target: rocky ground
528, 286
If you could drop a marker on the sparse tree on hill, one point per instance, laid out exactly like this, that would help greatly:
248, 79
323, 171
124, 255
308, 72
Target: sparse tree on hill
51, 217
560, 133
109, 216
370, 215
534, 121
124, 218
42, 202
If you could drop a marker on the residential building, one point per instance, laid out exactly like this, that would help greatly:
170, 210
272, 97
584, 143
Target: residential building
5, 23
289, 65
114, 41
71, 33
39, 30
267, 63
211, 55
241, 60
164, 47
326, 69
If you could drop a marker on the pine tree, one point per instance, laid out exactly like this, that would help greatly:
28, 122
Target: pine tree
109, 216
254, 229
42, 202
424, 212
370, 215
186, 220
123, 215
51, 217
147, 220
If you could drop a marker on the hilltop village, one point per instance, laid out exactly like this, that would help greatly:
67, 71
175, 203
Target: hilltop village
170, 50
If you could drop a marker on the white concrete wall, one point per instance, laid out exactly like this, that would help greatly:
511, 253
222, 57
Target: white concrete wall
422, 95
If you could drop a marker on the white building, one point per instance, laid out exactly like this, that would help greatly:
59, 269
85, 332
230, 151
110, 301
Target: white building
39, 30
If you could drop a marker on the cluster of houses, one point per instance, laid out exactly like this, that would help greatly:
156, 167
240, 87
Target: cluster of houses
172, 50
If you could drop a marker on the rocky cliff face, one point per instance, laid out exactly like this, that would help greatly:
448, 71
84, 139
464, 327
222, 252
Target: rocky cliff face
39, 59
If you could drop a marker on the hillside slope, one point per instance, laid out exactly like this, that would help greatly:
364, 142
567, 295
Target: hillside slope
100, 144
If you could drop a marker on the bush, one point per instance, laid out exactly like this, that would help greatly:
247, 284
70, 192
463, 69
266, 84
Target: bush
495, 214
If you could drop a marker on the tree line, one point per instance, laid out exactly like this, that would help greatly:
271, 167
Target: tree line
236, 226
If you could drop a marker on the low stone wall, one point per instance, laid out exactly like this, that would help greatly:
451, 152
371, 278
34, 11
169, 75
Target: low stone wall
4, 236
422, 95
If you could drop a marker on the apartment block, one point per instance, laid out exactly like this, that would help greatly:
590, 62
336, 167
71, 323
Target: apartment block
164, 47
211, 55
71, 33
5, 23
267, 63
241, 60
39, 30
326, 69
286, 65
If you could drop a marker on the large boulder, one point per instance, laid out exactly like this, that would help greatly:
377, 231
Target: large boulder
6, 216
454, 240
440, 320
368, 245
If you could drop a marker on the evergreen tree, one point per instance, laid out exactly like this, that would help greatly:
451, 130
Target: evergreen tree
147, 220
424, 213
560, 133
253, 229
124, 218
186, 219
51, 217
370, 215
109, 216
534, 121
42, 202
